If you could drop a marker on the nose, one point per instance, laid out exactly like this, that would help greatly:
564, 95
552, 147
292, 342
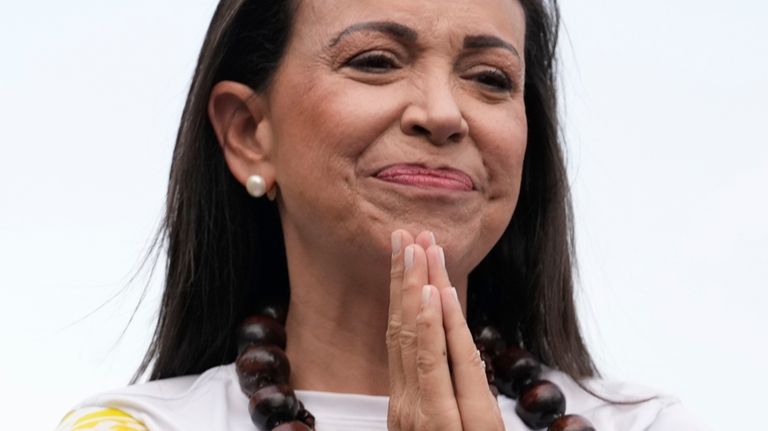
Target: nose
435, 114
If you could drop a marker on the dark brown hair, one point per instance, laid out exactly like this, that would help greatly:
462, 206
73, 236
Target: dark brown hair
226, 252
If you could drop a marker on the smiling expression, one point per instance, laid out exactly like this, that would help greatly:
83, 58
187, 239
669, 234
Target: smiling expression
391, 114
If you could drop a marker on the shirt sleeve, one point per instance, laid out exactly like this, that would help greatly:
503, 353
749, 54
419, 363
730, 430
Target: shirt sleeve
99, 419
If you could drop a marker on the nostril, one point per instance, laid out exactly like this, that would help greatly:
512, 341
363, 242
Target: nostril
456, 137
420, 130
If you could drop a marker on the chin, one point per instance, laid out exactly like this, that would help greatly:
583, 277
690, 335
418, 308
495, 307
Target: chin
463, 246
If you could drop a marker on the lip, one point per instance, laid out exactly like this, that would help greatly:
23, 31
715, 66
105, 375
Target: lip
418, 175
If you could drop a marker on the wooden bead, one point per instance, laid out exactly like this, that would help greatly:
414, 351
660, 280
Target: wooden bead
260, 330
489, 340
293, 426
305, 416
540, 404
273, 405
490, 372
274, 311
571, 423
515, 369
259, 366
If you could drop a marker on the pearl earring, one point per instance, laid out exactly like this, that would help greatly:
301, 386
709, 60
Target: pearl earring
256, 186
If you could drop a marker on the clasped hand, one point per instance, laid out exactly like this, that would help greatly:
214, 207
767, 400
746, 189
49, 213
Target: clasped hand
437, 378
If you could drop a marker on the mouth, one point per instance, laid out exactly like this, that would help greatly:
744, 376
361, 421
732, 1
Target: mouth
420, 176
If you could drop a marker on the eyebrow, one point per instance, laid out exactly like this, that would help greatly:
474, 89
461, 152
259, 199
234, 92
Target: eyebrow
408, 34
481, 41
394, 29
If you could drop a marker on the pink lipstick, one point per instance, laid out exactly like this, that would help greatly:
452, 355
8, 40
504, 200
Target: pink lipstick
420, 176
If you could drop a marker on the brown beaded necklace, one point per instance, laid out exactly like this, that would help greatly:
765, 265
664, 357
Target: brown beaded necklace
264, 371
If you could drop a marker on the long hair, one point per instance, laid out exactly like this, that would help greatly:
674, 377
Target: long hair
226, 252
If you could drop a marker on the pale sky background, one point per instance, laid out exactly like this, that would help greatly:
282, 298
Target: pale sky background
665, 116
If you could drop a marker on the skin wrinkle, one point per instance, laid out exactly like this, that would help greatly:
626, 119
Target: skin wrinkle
480, 41
333, 126
338, 55
396, 30
404, 34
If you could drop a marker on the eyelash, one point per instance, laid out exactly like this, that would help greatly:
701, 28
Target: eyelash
373, 62
499, 80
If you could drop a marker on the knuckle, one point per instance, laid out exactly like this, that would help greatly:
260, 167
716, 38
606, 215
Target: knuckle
392, 342
407, 339
424, 321
396, 272
394, 326
426, 361
411, 283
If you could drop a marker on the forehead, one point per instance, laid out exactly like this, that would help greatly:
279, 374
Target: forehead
430, 18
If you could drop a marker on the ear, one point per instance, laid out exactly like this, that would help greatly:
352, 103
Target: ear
237, 114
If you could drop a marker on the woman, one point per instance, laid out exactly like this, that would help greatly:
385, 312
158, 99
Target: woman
380, 170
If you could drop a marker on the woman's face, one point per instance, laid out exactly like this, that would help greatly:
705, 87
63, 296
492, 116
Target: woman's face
391, 114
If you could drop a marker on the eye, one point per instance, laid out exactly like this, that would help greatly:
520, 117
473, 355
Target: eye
374, 62
494, 79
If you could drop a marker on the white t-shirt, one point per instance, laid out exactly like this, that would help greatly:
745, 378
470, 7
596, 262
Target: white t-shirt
213, 401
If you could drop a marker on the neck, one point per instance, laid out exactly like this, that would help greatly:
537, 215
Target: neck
337, 321
332, 348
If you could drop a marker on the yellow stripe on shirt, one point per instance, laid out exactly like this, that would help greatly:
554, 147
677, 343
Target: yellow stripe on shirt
99, 419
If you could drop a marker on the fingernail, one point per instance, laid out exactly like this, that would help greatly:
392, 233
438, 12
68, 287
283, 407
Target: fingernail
432, 238
409, 256
442, 256
426, 294
397, 240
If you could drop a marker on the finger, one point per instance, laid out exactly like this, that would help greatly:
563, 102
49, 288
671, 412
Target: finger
436, 391
425, 239
472, 392
414, 278
438, 275
400, 240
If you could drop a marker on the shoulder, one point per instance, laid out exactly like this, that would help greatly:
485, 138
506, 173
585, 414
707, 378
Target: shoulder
617, 405
211, 400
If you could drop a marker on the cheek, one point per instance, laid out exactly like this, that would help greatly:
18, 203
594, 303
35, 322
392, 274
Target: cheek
508, 165
322, 129
332, 119
502, 137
